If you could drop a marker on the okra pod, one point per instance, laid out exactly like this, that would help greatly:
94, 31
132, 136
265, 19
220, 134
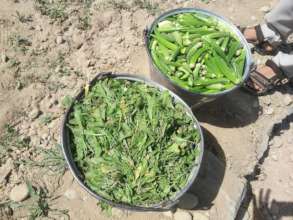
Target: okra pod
197, 54
165, 42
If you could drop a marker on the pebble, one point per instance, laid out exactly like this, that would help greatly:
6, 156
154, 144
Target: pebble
91, 63
277, 142
291, 177
19, 193
274, 157
188, 201
288, 100
181, 215
34, 113
265, 9
59, 40
269, 111
70, 194
4, 58
39, 28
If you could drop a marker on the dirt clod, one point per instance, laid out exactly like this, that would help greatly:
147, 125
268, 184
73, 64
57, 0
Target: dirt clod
19, 193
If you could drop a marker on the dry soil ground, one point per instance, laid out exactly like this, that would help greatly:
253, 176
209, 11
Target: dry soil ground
50, 49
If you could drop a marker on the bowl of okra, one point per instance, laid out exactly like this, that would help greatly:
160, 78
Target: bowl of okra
198, 51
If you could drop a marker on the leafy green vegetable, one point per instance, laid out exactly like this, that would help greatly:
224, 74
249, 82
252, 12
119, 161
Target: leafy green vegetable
191, 47
133, 143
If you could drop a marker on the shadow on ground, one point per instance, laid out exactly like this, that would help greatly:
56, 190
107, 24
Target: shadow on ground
211, 174
237, 109
264, 207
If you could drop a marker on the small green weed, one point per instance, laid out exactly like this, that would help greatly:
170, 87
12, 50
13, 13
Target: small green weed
19, 43
151, 7
23, 18
51, 160
11, 138
46, 119
55, 9
66, 101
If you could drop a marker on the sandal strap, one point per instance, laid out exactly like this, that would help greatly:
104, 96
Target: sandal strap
259, 34
262, 81
279, 78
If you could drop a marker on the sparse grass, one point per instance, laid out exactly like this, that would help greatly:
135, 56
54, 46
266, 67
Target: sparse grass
46, 119
19, 43
66, 101
84, 22
59, 65
13, 62
39, 204
148, 5
54, 9
11, 138
116, 4
51, 160
23, 18
53, 86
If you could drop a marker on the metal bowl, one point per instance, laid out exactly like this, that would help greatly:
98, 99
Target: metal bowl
66, 148
195, 99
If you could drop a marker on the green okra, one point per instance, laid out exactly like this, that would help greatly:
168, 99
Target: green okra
194, 57
199, 51
226, 70
225, 44
234, 46
165, 42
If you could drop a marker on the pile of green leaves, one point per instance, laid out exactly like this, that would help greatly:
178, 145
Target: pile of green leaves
133, 143
198, 53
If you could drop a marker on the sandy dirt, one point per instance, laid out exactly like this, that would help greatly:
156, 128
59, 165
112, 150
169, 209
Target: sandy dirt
51, 49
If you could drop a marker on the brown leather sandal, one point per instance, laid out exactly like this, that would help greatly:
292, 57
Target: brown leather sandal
261, 46
265, 84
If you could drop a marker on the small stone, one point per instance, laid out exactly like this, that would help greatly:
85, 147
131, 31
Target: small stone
57, 69
91, 63
274, 157
19, 193
59, 39
291, 177
181, 215
277, 142
4, 58
79, 45
253, 18
269, 111
288, 100
168, 214
188, 201
199, 216
119, 39
38, 28
265, 9
5, 170
70, 194
34, 113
